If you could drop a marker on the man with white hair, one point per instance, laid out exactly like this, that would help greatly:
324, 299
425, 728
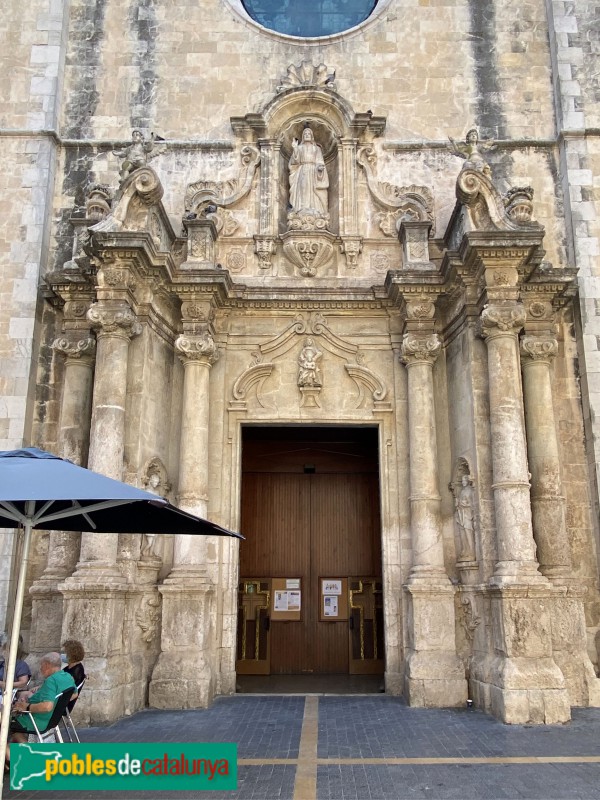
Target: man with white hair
41, 703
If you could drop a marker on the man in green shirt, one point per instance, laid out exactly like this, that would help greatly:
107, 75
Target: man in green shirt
41, 703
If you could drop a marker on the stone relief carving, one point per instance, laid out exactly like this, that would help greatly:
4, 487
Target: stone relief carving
370, 386
380, 262
351, 248
223, 193
420, 348
114, 320
470, 619
264, 247
309, 372
236, 260
98, 202
148, 618
473, 151
308, 251
138, 153
305, 74
539, 348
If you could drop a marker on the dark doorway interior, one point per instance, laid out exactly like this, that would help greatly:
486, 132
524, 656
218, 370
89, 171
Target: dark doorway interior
310, 511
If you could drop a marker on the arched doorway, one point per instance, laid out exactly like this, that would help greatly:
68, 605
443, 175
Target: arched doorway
310, 591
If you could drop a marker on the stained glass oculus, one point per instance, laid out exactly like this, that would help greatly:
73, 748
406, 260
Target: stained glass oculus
309, 18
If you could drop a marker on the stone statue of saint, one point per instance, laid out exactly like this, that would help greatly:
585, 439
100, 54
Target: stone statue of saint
472, 151
138, 153
309, 373
465, 518
308, 176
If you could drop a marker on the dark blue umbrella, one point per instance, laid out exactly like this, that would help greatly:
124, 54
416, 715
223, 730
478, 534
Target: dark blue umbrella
41, 490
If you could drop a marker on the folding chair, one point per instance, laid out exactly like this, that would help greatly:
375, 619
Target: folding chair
60, 706
66, 718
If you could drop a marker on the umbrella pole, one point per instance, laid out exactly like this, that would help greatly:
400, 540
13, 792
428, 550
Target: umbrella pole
9, 669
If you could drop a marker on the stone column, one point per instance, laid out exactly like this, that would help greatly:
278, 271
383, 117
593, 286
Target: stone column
434, 675
523, 683
569, 635
188, 592
73, 436
547, 502
95, 595
115, 325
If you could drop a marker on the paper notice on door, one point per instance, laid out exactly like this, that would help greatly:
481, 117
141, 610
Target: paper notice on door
330, 605
280, 601
292, 583
293, 601
331, 586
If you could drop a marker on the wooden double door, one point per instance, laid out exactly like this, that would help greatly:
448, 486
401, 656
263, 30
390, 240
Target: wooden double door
310, 512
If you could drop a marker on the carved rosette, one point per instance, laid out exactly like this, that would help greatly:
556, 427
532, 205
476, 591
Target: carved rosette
308, 251
538, 348
114, 321
419, 349
197, 348
83, 349
502, 320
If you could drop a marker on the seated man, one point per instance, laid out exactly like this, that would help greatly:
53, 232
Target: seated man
22, 670
41, 703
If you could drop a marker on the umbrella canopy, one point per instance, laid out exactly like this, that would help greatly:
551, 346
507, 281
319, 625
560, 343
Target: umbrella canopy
41, 490
72, 498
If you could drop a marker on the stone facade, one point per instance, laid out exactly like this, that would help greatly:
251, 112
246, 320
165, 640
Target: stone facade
159, 293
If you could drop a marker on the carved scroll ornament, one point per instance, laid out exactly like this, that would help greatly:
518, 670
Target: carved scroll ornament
420, 349
224, 193
497, 320
197, 348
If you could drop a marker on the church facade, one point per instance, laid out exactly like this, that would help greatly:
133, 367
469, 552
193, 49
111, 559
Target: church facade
339, 291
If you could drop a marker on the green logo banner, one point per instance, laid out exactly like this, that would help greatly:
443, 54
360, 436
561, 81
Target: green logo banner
119, 767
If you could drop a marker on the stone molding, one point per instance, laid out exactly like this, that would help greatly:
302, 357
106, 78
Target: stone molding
197, 349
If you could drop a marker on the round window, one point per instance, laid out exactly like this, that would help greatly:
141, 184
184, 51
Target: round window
309, 19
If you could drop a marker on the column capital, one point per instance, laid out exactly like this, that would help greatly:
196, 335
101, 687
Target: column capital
542, 348
200, 348
497, 320
418, 348
78, 347
114, 320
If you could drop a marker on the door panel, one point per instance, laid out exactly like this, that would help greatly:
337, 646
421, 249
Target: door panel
305, 525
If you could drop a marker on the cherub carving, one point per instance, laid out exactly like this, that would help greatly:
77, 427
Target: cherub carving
309, 373
471, 151
138, 153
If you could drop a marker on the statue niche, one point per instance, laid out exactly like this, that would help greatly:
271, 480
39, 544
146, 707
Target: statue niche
309, 182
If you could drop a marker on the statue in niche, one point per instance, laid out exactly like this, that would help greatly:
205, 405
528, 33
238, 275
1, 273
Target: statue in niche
308, 176
309, 374
465, 518
472, 151
138, 153
155, 481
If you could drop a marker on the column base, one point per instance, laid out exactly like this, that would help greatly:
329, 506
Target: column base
185, 674
435, 680
434, 674
521, 683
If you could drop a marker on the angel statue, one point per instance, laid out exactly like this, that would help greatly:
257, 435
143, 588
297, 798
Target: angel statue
471, 151
138, 153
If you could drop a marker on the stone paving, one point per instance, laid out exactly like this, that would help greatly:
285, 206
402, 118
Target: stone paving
370, 747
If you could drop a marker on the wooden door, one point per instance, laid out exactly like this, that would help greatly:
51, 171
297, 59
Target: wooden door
309, 511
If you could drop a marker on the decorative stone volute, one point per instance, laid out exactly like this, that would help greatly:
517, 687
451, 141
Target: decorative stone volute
77, 348
420, 348
197, 348
499, 320
113, 321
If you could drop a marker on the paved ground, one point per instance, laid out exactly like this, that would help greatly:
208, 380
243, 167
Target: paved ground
369, 747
